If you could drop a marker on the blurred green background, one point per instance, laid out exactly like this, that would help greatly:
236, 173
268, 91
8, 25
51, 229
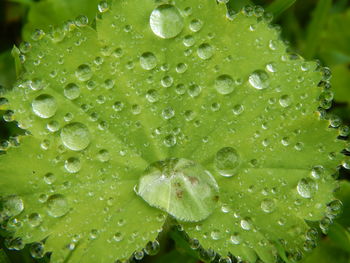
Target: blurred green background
315, 29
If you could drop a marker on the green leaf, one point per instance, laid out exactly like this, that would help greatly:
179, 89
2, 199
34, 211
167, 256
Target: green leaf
3, 257
7, 70
277, 7
47, 13
319, 19
162, 81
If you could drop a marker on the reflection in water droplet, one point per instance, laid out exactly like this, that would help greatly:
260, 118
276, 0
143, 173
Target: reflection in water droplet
307, 187
166, 21
148, 61
259, 79
44, 106
227, 161
180, 187
224, 84
57, 205
75, 136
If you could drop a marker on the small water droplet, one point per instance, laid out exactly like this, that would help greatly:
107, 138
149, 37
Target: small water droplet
72, 91
227, 161
205, 51
268, 205
168, 113
44, 106
75, 136
166, 21
148, 61
285, 101
11, 205
307, 187
57, 205
259, 79
224, 84
83, 72
72, 165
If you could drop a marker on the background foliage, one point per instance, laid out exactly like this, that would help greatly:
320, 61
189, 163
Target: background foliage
316, 29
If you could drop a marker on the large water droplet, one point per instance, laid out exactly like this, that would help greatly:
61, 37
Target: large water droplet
307, 187
75, 136
224, 84
180, 187
44, 106
227, 161
148, 61
259, 79
57, 205
166, 21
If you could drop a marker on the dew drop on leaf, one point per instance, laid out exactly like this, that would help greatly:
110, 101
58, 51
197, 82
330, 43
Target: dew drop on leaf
224, 84
44, 106
205, 51
285, 101
75, 136
148, 61
72, 165
83, 72
227, 161
11, 206
307, 187
268, 205
166, 21
71, 91
57, 205
34, 219
180, 187
259, 79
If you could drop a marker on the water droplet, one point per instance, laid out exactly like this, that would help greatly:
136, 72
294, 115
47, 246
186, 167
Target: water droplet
259, 79
181, 68
215, 234
72, 165
75, 136
307, 187
103, 155
148, 61
49, 178
118, 237
44, 106
196, 25
224, 84
168, 113
83, 72
103, 6
180, 187
205, 51
246, 224
235, 239
57, 205
152, 95
170, 141
238, 109
37, 250
34, 219
268, 205
72, 91
285, 101
227, 161
11, 206
166, 21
